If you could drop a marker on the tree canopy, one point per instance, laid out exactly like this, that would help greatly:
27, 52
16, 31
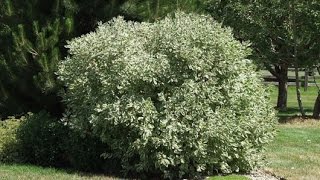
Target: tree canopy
275, 29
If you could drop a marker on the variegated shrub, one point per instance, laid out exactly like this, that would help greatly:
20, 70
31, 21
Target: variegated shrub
177, 97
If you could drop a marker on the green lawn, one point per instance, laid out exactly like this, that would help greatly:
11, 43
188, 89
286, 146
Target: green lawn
308, 98
30, 172
295, 152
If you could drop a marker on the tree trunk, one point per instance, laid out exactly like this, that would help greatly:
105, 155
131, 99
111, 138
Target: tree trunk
295, 56
282, 93
306, 79
298, 92
316, 108
281, 72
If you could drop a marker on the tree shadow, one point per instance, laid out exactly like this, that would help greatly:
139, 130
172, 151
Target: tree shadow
293, 114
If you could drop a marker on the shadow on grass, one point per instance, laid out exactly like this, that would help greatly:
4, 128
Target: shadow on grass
292, 114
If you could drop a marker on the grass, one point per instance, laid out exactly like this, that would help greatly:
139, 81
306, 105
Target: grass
295, 152
30, 172
308, 98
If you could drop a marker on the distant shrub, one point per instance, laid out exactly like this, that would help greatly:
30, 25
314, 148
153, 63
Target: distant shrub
9, 148
41, 139
177, 97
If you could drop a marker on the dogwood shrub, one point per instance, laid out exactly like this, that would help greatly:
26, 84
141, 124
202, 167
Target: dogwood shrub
176, 98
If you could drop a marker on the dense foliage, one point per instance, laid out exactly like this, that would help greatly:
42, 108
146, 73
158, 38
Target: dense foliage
41, 140
32, 38
83, 152
31, 35
177, 97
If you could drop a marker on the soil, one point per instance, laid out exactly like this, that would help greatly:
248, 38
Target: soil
263, 175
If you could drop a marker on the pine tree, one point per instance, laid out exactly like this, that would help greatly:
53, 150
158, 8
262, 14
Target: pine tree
89, 13
151, 10
32, 38
31, 53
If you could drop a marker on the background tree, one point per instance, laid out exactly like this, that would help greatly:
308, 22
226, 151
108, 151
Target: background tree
33, 34
30, 54
267, 25
89, 13
151, 10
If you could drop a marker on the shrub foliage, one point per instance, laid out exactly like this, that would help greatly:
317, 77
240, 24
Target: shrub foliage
41, 139
176, 97
9, 147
